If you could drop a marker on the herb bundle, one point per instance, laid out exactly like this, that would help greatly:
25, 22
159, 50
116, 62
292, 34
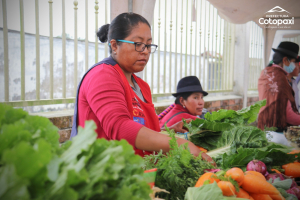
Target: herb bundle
176, 170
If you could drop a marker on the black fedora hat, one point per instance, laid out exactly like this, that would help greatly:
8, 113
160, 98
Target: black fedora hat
189, 84
288, 49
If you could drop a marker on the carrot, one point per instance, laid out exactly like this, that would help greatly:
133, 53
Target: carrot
256, 174
227, 188
292, 169
294, 151
236, 174
251, 198
276, 171
260, 196
277, 197
207, 176
252, 184
243, 194
202, 149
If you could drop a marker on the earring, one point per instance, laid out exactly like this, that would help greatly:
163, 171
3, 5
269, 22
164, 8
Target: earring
183, 106
115, 52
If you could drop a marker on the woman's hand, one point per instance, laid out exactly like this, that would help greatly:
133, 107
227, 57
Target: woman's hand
178, 127
195, 151
208, 159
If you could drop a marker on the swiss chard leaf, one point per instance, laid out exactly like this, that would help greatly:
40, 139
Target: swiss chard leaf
250, 113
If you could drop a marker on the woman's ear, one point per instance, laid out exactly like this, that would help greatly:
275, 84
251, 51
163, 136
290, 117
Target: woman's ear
113, 45
285, 61
181, 101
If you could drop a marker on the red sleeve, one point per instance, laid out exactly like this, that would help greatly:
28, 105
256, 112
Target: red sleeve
106, 96
292, 117
179, 117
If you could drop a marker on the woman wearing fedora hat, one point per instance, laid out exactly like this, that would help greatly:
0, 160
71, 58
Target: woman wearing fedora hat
189, 102
280, 110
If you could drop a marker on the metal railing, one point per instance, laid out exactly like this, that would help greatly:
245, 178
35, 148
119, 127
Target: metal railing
192, 39
19, 94
295, 39
255, 55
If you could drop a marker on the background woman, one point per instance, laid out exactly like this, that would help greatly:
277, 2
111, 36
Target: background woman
119, 102
189, 102
280, 110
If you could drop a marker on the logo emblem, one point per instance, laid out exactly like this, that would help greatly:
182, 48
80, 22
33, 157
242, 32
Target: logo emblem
277, 9
277, 18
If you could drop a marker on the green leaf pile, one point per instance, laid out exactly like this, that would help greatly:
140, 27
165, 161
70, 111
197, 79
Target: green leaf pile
34, 166
176, 170
232, 142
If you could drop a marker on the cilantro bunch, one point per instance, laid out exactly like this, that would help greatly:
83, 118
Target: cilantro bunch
176, 170
34, 166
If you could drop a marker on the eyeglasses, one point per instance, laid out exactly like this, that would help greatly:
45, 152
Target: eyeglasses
140, 47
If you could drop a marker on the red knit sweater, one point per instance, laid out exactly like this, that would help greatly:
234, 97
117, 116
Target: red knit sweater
177, 118
102, 99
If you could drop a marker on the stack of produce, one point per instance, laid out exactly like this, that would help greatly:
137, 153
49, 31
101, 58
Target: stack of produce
34, 166
236, 184
233, 143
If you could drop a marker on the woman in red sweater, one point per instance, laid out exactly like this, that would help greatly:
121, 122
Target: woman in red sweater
119, 102
189, 102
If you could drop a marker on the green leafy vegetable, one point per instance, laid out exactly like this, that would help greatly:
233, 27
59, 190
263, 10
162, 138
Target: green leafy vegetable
207, 192
269, 155
239, 136
34, 166
233, 143
284, 184
245, 115
177, 170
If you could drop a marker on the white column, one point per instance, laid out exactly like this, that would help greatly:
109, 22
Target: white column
117, 7
142, 7
241, 61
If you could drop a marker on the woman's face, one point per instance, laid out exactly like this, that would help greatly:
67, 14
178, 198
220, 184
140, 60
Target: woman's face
194, 103
287, 61
296, 70
125, 54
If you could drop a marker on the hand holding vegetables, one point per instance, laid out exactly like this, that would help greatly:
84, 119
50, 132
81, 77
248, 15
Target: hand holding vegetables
178, 127
208, 158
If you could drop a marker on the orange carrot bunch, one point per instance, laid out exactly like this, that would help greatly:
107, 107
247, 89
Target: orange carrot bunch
292, 169
207, 177
249, 185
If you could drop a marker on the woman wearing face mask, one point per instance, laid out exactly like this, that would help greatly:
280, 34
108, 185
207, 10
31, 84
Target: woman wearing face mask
189, 102
280, 110
119, 102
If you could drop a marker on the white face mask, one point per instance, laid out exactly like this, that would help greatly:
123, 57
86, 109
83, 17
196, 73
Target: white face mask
290, 68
